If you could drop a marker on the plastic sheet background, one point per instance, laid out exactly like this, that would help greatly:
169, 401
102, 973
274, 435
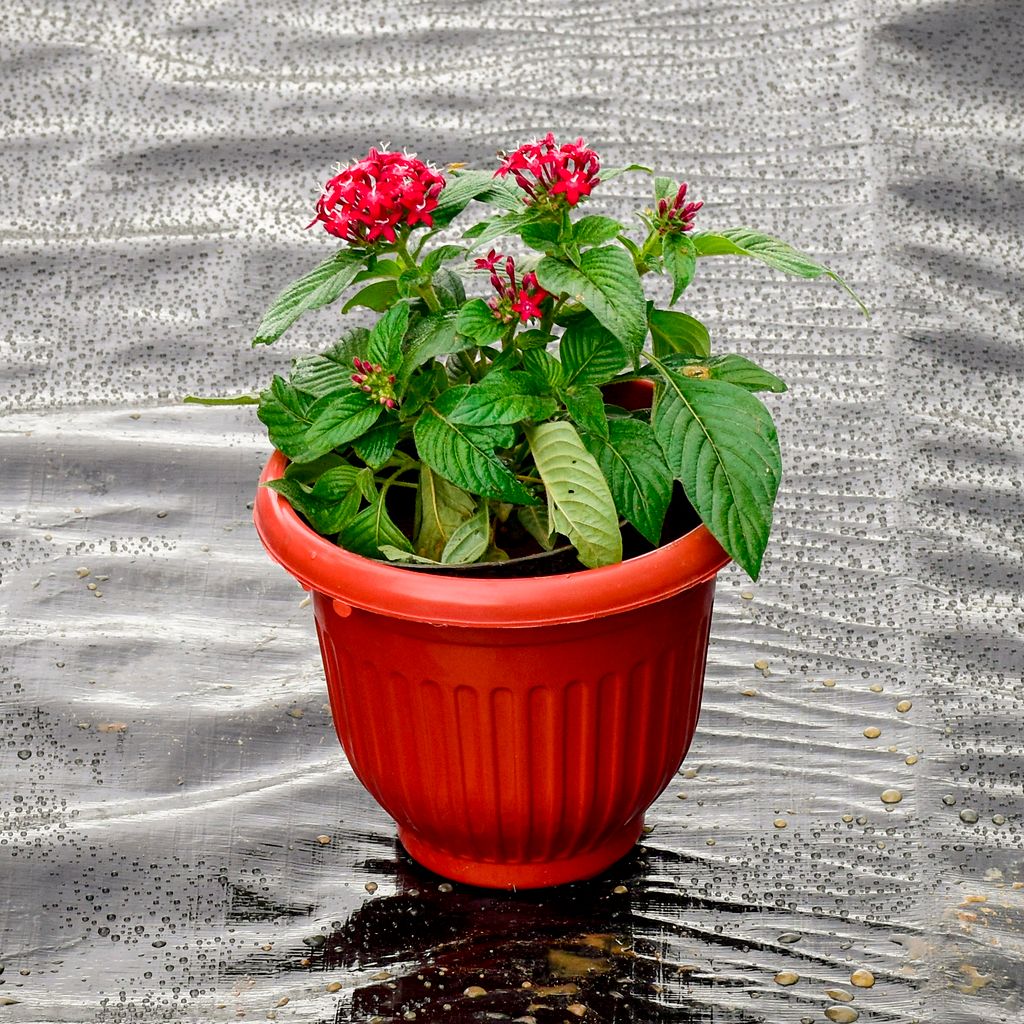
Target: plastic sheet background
181, 836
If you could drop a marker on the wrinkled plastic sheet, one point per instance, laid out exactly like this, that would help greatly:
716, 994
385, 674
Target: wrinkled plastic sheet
182, 838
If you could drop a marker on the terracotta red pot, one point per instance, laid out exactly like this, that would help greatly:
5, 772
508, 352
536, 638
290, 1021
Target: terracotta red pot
515, 729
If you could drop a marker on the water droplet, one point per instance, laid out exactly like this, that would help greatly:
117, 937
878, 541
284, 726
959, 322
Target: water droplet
891, 796
780, 823
746, 595
334, 986
949, 800
295, 712
862, 978
370, 887
841, 1014
790, 937
911, 759
968, 816
840, 995
619, 890
872, 732
998, 819
24, 755
474, 992
787, 978
828, 682
445, 887
876, 688
904, 706
847, 818
323, 840
761, 664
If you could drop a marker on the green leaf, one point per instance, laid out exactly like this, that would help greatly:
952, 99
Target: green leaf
235, 400
664, 188
376, 446
432, 336
672, 331
594, 230
469, 540
372, 528
393, 554
534, 519
310, 472
464, 455
377, 296
477, 321
335, 421
607, 283
732, 368
385, 345
542, 235
579, 492
443, 254
776, 254
533, 338
319, 287
504, 396
607, 173
463, 187
326, 516
585, 405
337, 482
545, 369
590, 354
634, 466
449, 288
376, 269
332, 369
680, 257
285, 413
720, 443
441, 508
494, 227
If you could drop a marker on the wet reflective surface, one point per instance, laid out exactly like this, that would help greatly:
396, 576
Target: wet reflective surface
180, 836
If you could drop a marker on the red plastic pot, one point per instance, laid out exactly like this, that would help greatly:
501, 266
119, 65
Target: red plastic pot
515, 729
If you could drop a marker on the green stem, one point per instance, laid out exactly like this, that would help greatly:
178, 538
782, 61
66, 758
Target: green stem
426, 291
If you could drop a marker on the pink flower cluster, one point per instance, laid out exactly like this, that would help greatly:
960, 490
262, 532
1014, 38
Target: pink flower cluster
543, 168
514, 301
378, 385
677, 215
374, 198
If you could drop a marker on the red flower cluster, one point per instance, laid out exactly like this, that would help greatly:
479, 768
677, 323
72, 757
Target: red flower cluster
513, 301
543, 168
678, 215
371, 198
378, 385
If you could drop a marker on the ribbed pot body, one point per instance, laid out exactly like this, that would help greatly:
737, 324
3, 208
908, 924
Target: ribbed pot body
524, 757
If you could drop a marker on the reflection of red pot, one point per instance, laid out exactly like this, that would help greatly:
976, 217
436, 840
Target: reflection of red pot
516, 729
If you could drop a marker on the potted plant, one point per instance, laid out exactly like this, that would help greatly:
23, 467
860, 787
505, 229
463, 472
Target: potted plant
455, 483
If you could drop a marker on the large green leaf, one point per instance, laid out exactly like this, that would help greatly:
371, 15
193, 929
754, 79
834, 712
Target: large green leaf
585, 405
469, 540
732, 368
595, 230
504, 396
284, 411
780, 255
544, 368
672, 331
441, 508
372, 529
332, 369
377, 296
464, 455
385, 344
534, 519
319, 287
720, 443
680, 256
590, 353
578, 491
326, 514
462, 187
608, 284
494, 227
377, 444
335, 421
476, 320
634, 466
432, 336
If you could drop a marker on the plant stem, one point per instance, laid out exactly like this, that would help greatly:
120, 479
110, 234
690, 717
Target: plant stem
425, 290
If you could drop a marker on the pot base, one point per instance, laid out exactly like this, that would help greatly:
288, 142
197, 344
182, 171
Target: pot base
489, 875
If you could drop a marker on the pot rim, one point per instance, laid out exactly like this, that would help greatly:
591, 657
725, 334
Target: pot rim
358, 582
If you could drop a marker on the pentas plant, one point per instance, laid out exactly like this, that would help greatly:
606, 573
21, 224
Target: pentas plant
476, 407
